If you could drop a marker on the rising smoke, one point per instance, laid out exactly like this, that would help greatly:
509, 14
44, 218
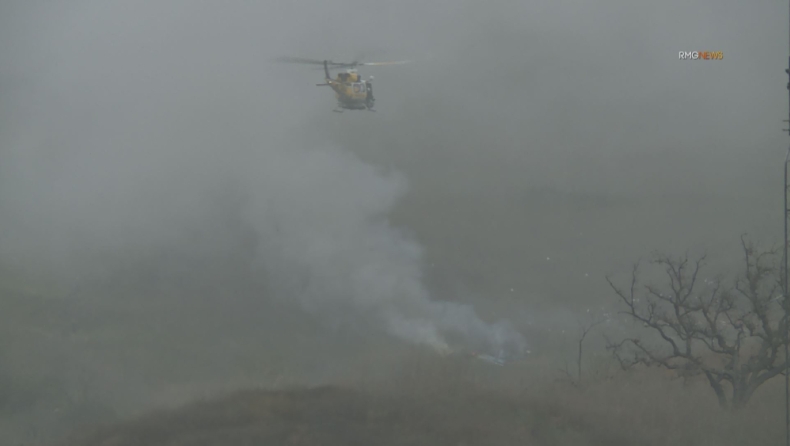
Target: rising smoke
325, 242
318, 219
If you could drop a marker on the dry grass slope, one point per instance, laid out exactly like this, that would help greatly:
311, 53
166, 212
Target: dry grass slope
330, 416
631, 409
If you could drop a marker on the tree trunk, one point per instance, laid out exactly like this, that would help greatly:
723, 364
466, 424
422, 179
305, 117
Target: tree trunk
741, 394
579, 360
717, 387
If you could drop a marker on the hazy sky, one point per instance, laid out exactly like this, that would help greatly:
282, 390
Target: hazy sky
534, 147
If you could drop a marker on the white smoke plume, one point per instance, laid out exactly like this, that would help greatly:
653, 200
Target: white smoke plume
326, 241
319, 218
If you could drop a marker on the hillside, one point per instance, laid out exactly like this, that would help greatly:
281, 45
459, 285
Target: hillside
625, 411
335, 416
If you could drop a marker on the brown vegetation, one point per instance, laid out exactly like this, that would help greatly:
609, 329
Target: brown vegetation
457, 402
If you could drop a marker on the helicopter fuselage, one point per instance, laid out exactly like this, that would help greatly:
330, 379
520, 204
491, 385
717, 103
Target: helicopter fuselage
351, 91
351, 95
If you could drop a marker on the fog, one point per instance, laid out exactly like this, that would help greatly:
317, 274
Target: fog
194, 202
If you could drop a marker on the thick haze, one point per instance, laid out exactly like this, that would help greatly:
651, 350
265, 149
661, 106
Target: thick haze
535, 147
141, 131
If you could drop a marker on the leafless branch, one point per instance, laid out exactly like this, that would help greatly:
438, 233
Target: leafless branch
729, 334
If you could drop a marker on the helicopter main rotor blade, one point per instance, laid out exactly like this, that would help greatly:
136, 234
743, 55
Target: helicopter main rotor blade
338, 65
301, 60
306, 61
376, 64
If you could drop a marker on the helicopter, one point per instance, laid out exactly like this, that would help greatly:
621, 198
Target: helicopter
351, 91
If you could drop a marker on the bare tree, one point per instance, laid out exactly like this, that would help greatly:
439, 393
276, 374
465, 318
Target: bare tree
584, 330
732, 334
585, 327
